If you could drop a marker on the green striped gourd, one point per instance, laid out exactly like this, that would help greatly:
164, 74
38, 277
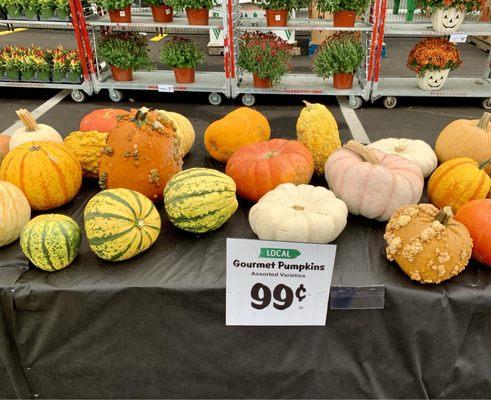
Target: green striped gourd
51, 241
200, 199
120, 223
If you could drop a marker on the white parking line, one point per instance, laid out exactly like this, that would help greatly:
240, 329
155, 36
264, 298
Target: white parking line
36, 113
354, 124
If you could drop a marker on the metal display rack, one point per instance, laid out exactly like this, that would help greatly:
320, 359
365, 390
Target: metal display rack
215, 83
79, 90
406, 24
307, 83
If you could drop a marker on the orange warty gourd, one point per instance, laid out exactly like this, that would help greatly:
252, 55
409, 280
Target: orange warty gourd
4, 146
238, 128
142, 154
47, 172
429, 245
458, 181
102, 120
259, 167
476, 216
466, 138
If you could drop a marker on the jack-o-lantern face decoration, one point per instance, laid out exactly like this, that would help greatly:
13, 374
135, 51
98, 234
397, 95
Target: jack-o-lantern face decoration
433, 80
447, 20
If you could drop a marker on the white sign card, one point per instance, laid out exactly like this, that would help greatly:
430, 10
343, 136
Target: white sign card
278, 283
458, 37
166, 88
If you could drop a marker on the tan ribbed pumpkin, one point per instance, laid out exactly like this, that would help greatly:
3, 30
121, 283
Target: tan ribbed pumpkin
184, 130
15, 212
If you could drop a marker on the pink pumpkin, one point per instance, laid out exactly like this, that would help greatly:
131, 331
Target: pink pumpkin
371, 183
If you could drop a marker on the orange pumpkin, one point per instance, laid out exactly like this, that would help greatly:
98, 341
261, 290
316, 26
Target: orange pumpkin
259, 167
238, 128
47, 172
4, 146
102, 120
476, 216
458, 181
466, 138
142, 154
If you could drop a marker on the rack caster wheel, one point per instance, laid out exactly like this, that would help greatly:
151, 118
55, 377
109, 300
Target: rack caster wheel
78, 96
486, 103
355, 102
115, 95
390, 102
215, 99
248, 99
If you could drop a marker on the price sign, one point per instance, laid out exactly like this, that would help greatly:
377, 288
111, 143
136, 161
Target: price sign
458, 37
166, 88
278, 283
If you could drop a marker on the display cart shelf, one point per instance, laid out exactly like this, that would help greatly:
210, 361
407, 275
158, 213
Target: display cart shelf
425, 29
143, 22
37, 24
254, 24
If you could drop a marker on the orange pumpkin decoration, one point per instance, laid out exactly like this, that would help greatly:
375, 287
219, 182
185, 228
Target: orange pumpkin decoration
142, 154
466, 138
4, 146
102, 120
238, 128
259, 167
47, 172
476, 216
458, 181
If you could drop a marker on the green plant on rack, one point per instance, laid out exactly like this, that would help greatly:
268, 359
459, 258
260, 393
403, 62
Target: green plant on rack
30, 8
111, 5
332, 6
74, 70
265, 55
341, 53
62, 9
430, 6
124, 50
13, 7
181, 53
181, 5
281, 4
46, 8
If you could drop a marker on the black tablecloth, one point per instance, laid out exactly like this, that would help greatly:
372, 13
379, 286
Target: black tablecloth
154, 326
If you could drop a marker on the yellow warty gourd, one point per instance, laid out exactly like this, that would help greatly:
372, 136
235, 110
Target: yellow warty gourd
87, 148
317, 129
184, 130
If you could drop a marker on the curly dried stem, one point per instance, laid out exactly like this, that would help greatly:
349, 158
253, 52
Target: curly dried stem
484, 121
364, 152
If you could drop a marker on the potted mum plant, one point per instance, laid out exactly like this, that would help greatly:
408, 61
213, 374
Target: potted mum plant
447, 15
432, 59
42, 67
30, 8
74, 69
161, 12
119, 10
183, 55
196, 10
12, 63
344, 11
46, 9
340, 56
13, 8
124, 52
62, 9
277, 10
59, 62
266, 56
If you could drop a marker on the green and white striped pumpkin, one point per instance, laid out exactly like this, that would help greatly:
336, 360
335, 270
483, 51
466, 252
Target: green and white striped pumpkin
200, 199
120, 223
51, 241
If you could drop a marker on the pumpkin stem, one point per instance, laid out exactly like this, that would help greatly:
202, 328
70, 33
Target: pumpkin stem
484, 164
141, 116
364, 152
28, 120
484, 121
444, 215
307, 104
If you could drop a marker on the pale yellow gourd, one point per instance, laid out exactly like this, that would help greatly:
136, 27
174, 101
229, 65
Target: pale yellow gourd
184, 130
32, 131
87, 147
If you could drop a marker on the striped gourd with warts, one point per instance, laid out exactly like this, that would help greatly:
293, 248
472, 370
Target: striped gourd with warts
200, 199
142, 154
120, 223
51, 241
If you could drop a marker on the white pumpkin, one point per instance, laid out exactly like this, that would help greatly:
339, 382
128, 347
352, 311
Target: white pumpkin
32, 131
302, 213
447, 20
15, 212
433, 80
414, 150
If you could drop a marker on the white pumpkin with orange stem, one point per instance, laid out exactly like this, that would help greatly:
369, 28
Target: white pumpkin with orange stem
32, 131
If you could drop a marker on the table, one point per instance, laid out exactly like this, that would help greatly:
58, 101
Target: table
154, 326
